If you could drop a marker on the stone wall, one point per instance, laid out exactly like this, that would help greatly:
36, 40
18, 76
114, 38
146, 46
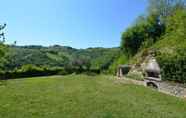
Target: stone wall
174, 89
138, 72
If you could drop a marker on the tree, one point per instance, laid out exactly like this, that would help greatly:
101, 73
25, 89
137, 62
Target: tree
145, 31
80, 64
132, 39
165, 8
2, 35
3, 48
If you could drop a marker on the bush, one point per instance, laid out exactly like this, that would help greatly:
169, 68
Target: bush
135, 75
173, 65
32, 71
121, 60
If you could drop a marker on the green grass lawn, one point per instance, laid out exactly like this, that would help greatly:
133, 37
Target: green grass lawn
81, 96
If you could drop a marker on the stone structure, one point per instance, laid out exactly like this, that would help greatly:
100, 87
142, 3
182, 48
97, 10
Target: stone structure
172, 88
152, 73
123, 70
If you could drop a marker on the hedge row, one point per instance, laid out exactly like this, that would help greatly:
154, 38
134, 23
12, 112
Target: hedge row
34, 71
30, 73
173, 65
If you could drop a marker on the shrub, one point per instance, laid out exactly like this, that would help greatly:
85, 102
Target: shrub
173, 65
135, 75
121, 60
32, 71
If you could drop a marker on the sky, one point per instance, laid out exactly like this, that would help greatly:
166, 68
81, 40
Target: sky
75, 23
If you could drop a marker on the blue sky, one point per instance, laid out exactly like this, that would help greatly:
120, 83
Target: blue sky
75, 23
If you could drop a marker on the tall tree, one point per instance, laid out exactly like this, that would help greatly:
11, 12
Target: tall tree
144, 33
2, 46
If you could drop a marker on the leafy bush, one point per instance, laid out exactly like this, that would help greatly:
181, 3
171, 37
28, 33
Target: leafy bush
135, 75
32, 71
121, 60
173, 66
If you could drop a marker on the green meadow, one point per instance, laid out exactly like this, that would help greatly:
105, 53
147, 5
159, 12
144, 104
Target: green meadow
82, 96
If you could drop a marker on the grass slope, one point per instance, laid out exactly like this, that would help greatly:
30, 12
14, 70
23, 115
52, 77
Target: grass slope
80, 96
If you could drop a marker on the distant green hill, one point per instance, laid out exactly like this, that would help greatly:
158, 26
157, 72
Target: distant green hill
58, 56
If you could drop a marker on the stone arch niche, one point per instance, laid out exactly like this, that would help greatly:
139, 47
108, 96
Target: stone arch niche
122, 70
152, 84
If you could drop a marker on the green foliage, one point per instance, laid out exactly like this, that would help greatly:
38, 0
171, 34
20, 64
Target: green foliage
3, 47
162, 30
57, 60
29, 67
3, 54
165, 8
2, 50
136, 76
173, 66
120, 60
32, 71
175, 32
132, 40
143, 34
172, 47
148, 30
80, 64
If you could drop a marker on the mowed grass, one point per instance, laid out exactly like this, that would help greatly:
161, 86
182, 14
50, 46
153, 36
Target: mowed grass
81, 96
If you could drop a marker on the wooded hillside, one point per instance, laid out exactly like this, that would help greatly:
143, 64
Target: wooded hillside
56, 60
163, 32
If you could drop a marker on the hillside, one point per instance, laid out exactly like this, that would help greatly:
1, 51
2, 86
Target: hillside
58, 56
161, 33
